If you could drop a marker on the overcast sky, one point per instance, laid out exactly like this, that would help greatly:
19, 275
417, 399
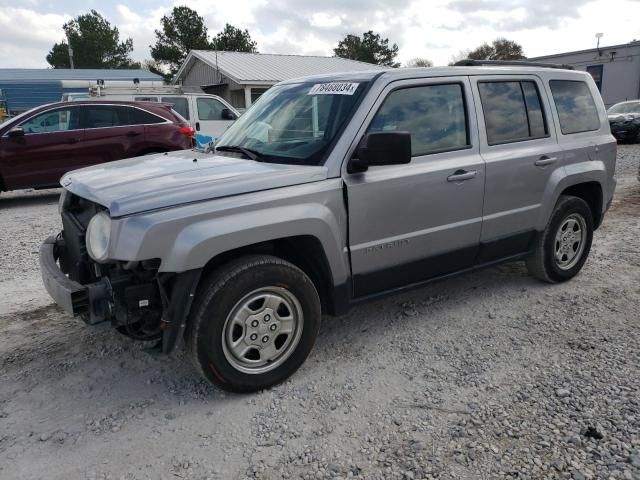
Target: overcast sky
435, 29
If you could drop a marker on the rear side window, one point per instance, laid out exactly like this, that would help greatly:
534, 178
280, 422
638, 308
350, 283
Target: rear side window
147, 118
180, 105
434, 115
105, 116
512, 111
577, 111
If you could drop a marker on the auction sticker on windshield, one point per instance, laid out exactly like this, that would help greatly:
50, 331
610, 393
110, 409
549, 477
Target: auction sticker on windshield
334, 88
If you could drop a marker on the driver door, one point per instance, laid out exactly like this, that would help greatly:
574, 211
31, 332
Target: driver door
52, 145
210, 119
412, 222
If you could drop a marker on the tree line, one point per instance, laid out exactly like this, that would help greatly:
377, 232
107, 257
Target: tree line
95, 43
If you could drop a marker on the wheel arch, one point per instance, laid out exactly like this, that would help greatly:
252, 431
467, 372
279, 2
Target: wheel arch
591, 193
304, 251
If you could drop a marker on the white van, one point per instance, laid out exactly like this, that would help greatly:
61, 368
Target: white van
209, 115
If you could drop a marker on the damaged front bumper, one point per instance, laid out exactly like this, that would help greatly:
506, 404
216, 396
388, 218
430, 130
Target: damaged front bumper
122, 300
91, 302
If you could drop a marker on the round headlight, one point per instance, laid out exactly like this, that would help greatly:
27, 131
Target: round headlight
98, 233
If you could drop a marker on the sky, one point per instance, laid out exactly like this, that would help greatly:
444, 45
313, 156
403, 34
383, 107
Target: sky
433, 29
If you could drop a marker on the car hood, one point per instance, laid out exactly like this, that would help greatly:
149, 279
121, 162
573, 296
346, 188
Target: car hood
161, 180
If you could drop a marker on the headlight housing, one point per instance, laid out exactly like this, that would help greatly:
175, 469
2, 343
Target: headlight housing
98, 236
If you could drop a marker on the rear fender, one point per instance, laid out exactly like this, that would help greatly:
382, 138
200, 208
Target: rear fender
568, 176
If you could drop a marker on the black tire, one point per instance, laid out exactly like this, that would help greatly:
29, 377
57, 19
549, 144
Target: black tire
542, 263
218, 298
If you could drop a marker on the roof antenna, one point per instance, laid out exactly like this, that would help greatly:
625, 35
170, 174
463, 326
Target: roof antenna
599, 36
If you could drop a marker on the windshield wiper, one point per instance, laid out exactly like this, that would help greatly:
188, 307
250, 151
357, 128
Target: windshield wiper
248, 152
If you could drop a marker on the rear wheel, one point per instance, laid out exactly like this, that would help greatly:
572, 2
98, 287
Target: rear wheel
563, 248
254, 323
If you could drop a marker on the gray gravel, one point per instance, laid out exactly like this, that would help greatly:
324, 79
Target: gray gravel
489, 375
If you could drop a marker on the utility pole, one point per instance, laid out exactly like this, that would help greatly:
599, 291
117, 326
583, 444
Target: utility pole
70, 52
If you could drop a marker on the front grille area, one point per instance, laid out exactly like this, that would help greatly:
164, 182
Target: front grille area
74, 260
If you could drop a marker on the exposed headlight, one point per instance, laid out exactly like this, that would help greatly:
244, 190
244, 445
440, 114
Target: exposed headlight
98, 234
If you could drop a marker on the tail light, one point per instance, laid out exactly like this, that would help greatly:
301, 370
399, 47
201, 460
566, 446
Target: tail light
187, 131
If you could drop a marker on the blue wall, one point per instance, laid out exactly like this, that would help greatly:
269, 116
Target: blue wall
24, 96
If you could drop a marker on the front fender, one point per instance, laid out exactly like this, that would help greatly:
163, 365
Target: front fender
187, 237
195, 245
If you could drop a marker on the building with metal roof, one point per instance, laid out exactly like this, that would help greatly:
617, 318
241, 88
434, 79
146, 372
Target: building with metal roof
26, 88
615, 69
241, 77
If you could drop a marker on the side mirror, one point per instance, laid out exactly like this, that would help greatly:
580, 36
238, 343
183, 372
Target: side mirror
227, 114
15, 132
381, 148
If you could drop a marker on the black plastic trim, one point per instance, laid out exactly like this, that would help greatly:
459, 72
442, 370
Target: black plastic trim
175, 317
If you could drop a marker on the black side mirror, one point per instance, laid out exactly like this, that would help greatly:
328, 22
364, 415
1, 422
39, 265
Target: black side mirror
381, 148
15, 132
227, 114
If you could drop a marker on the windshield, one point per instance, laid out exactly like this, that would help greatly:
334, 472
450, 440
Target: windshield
294, 123
622, 108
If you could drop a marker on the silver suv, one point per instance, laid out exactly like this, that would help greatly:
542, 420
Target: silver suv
329, 191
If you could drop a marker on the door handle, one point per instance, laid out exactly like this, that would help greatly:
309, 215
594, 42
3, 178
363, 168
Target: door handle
544, 160
198, 126
461, 175
73, 140
133, 134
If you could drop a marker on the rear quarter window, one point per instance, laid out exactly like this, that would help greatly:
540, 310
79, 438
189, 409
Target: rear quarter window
147, 118
576, 108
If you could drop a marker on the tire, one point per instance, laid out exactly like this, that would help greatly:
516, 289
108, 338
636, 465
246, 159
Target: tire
560, 251
254, 322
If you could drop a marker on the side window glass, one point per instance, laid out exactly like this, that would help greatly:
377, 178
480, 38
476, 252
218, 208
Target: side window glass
209, 109
142, 117
434, 115
180, 105
537, 124
53, 121
505, 114
577, 111
101, 117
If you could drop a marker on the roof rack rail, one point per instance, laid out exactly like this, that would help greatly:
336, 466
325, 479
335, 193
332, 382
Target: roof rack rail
515, 63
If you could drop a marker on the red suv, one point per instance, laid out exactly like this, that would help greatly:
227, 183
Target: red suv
41, 145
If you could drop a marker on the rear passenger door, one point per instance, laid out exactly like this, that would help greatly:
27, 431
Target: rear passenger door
411, 222
112, 133
520, 149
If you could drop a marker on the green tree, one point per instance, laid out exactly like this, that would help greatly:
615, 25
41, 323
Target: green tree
369, 48
182, 31
153, 67
419, 62
232, 39
95, 44
500, 49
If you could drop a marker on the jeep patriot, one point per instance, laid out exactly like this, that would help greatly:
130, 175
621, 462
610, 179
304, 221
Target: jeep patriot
329, 191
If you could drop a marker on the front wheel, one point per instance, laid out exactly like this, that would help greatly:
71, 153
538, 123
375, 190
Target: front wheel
253, 323
562, 249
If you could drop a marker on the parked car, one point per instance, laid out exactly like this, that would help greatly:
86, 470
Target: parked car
41, 145
330, 191
209, 115
624, 119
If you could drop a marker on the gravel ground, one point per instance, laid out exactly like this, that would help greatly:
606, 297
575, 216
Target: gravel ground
488, 375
